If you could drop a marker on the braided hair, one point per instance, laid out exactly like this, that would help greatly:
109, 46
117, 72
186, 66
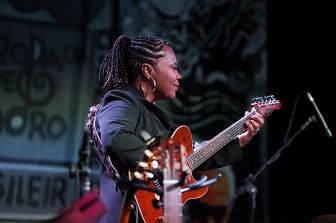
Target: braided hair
122, 65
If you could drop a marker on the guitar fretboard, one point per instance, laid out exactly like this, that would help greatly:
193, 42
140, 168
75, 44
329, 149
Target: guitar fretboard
206, 150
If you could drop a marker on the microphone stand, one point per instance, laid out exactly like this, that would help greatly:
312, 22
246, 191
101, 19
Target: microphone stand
248, 185
82, 171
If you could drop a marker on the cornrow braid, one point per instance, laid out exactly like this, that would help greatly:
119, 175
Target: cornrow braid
122, 64
112, 70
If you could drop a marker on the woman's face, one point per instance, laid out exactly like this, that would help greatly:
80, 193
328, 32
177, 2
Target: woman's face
166, 75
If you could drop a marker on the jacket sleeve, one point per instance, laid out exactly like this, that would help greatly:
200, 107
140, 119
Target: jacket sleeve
117, 118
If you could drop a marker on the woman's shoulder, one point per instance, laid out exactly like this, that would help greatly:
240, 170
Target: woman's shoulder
129, 95
129, 91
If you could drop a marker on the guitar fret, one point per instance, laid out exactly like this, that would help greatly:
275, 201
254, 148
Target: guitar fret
205, 151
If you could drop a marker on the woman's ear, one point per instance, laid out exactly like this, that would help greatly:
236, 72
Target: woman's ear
147, 70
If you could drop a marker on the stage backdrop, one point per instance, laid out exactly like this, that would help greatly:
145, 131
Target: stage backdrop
49, 61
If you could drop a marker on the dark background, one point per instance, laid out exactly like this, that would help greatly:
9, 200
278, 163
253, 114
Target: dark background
300, 47
301, 58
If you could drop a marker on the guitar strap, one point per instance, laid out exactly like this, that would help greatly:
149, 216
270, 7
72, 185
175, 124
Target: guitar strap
98, 145
111, 170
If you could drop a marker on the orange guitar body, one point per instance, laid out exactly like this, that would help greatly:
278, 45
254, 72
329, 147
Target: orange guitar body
145, 198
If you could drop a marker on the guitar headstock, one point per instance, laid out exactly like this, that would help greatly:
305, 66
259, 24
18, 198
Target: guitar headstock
172, 159
147, 165
167, 155
266, 105
173, 167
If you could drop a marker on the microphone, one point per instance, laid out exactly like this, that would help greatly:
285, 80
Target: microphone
311, 99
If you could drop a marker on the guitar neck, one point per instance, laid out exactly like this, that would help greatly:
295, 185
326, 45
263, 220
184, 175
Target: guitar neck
172, 201
209, 148
173, 164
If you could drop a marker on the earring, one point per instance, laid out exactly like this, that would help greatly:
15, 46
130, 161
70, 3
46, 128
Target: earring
154, 86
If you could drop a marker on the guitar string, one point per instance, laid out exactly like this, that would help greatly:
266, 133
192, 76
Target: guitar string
200, 155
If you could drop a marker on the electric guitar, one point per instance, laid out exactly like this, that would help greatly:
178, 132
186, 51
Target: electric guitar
145, 199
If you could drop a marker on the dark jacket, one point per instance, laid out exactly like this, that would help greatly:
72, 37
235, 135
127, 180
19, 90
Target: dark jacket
121, 117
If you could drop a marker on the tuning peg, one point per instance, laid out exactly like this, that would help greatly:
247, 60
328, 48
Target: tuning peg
138, 175
150, 175
263, 99
143, 164
155, 164
148, 153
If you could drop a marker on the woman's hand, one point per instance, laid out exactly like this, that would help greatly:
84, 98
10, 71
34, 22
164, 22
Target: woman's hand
253, 125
